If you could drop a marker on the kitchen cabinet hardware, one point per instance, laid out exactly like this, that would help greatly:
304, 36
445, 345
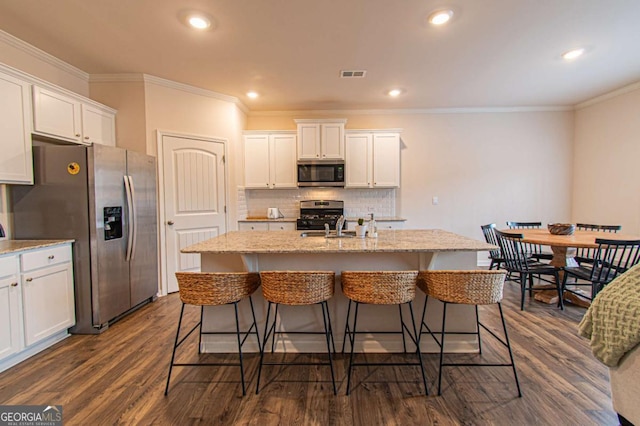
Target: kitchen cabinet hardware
51, 257
170, 223
14, 284
29, 280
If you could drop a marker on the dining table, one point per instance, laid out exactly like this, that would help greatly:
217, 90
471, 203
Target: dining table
564, 249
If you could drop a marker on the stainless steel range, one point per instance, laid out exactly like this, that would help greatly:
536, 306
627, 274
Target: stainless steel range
315, 213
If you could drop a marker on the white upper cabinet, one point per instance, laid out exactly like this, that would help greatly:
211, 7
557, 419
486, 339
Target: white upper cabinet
270, 160
56, 115
98, 125
16, 165
372, 159
73, 119
320, 140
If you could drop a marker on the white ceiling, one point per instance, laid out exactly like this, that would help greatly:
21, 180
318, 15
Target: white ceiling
495, 53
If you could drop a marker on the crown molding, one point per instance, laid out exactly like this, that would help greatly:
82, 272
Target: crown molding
151, 79
409, 111
114, 78
195, 90
621, 91
42, 55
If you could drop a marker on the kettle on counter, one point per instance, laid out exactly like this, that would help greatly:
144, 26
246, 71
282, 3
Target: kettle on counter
274, 213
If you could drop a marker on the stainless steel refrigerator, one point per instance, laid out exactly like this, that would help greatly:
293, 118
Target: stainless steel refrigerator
105, 199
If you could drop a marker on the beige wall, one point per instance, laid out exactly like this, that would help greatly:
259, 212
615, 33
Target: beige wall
606, 178
129, 99
483, 167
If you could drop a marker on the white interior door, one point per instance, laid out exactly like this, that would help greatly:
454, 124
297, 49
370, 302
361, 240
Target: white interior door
194, 199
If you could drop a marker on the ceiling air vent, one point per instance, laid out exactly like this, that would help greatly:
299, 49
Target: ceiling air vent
353, 73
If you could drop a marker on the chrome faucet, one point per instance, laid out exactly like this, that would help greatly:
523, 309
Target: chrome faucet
339, 225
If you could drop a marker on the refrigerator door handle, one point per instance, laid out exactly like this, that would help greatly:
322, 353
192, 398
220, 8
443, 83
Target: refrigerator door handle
135, 217
127, 187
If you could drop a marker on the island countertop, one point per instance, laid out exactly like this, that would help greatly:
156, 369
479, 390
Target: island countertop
388, 241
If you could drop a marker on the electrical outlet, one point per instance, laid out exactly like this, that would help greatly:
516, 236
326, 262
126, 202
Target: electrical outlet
435, 201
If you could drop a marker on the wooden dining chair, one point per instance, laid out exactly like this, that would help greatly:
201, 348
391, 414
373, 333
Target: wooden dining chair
612, 258
586, 255
490, 237
517, 260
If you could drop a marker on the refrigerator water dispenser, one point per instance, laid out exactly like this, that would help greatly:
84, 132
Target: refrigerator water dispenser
112, 223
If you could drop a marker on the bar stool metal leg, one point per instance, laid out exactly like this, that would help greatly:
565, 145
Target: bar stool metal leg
352, 338
255, 325
416, 340
444, 316
329, 336
478, 331
265, 338
346, 327
235, 307
402, 327
173, 355
508, 344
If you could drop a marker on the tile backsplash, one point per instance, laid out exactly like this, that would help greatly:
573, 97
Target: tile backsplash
357, 202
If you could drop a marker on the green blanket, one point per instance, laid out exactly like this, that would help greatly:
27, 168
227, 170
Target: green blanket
612, 322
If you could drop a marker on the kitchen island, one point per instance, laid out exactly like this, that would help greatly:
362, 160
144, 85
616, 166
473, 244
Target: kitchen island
289, 250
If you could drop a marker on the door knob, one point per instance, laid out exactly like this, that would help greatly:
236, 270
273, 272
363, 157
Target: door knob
170, 222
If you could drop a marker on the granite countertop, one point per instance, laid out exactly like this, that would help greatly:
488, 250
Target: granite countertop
390, 241
12, 246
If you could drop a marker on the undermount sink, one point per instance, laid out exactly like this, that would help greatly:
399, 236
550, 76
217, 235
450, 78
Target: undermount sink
332, 234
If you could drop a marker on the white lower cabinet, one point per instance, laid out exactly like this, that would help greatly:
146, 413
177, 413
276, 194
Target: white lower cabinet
266, 226
36, 301
11, 329
282, 226
47, 302
389, 224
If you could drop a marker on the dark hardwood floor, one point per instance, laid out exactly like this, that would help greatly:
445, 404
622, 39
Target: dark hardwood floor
118, 378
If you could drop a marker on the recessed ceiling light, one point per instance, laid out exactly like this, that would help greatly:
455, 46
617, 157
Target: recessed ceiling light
252, 95
196, 20
199, 22
573, 54
440, 17
395, 92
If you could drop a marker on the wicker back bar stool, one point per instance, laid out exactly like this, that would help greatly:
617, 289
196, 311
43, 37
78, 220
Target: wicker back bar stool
479, 287
297, 288
380, 288
215, 289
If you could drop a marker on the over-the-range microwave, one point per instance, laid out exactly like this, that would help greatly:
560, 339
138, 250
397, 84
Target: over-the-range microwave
321, 173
